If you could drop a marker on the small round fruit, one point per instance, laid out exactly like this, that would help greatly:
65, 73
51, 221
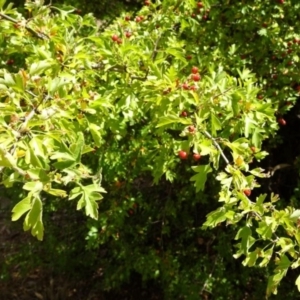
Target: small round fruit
196, 77
127, 18
184, 114
260, 97
10, 62
200, 4
147, 2
281, 121
191, 128
247, 192
296, 41
189, 57
195, 70
182, 154
114, 37
185, 86
128, 34
138, 19
196, 156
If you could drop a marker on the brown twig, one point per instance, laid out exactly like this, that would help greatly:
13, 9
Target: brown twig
216, 96
155, 50
31, 114
21, 130
39, 35
217, 146
210, 275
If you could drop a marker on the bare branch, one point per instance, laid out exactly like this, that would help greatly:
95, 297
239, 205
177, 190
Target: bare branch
39, 35
155, 50
30, 115
217, 146
216, 96
210, 275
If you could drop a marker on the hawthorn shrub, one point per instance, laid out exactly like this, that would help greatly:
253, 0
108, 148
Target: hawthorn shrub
154, 127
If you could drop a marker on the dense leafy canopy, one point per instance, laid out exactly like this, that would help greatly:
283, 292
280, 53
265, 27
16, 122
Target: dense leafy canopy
147, 125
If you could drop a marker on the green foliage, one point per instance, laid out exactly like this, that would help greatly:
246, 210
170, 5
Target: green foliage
99, 118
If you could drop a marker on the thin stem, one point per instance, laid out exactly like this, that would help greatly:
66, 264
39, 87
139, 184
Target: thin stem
217, 146
214, 97
210, 275
154, 53
39, 35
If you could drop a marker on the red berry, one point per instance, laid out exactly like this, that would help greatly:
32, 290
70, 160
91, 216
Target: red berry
195, 70
184, 114
280, 1
138, 19
189, 57
193, 88
147, 2
281, 121
196, 77
182, 154
205, 17
115, 38
200, 4
128, 34
119, 41
185, 86
196, 156
130, 211
247, 192
191, 128
127, 18
260, 97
